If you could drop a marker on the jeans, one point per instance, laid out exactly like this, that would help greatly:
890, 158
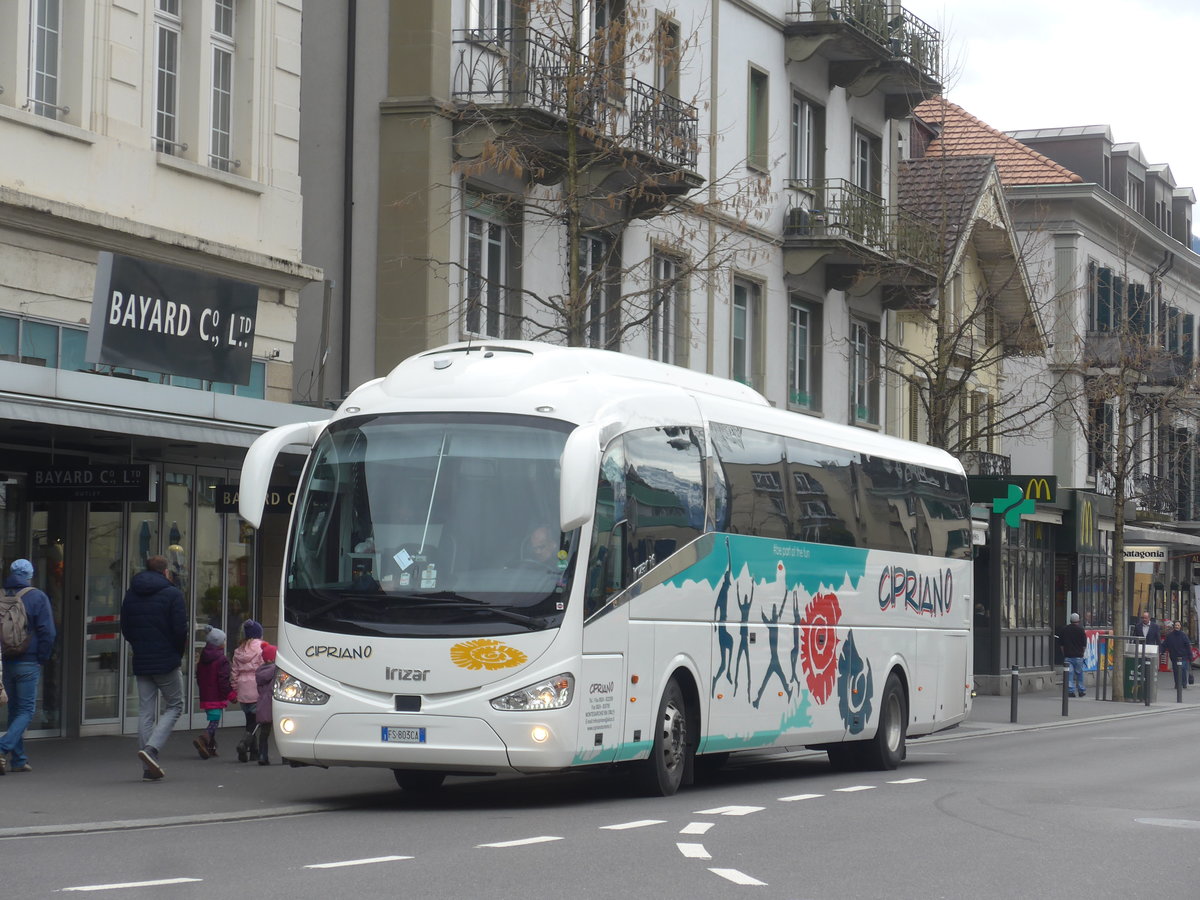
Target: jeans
21, 685
1075, 683
1180, 668
170, 685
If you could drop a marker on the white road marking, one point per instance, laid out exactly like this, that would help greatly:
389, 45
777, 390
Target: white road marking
1170, 823
799, 797
855, 787
736, 877
729, 811
640, 823
355, 862
696, 828
693, 851
533, 840
907, 781
131, 884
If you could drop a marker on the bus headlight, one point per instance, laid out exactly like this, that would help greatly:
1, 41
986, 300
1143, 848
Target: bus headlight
553, 693
290, 689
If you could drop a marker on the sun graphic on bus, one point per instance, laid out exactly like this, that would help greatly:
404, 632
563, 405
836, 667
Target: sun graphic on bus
484, 653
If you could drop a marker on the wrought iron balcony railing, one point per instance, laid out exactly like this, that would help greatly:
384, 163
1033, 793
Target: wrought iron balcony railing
525, 70
1155, 494
979, 462
836, 208
899, 35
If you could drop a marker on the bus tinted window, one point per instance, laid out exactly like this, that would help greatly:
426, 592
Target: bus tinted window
824, 482
755, 468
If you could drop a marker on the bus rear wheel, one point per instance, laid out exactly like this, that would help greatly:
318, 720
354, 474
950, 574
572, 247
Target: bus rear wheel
662, 774
886, 750
416, 781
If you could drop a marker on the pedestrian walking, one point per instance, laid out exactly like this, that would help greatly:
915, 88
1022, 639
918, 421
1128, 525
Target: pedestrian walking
1073, 641
212, 677
154, 623
1179, 651
265, 678
1147, 629
246, 660
25, 607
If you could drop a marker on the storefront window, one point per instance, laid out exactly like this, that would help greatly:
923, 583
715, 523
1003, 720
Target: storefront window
102, 608
1028, 566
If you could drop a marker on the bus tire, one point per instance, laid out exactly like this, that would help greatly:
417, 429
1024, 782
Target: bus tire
662, 774
416, 781
886, 750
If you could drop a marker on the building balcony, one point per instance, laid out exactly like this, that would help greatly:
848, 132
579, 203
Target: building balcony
1137, 352
857, 236
873, 46
1155, 497
522, 89
979, 462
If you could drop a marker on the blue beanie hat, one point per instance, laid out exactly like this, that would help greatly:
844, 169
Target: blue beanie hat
216, 636
251, 629
22, 569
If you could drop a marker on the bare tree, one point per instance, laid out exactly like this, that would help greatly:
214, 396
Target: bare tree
558, 136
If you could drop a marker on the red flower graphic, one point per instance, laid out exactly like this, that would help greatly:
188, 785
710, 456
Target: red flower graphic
818, 644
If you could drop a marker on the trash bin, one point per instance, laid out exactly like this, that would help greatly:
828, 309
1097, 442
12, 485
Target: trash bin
1136, 667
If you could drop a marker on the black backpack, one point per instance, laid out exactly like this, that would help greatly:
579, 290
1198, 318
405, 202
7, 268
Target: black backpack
14, 623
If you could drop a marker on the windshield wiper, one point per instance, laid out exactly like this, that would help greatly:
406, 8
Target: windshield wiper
452, 599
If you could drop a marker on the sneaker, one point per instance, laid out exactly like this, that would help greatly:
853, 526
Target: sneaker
201, 747
23, 767
264, 762
3, 766
152, 771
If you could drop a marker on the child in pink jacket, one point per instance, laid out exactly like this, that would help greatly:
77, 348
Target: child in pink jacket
246, 660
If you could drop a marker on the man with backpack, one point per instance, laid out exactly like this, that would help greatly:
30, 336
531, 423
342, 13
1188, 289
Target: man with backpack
27, 636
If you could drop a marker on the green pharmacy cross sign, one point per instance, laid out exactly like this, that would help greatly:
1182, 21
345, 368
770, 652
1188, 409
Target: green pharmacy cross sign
1012, 507
1012, 496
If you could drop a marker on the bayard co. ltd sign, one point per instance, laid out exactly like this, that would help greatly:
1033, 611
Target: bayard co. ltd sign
161, 318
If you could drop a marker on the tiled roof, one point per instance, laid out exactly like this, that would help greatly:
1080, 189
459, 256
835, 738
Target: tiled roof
943, 190
961, 134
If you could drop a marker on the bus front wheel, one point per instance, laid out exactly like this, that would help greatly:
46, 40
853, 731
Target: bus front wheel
662, 773
416, 781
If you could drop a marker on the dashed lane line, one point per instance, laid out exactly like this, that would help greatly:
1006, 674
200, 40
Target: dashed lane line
907, 781
854, 788
730, 811
161, 882
693, 851
795, 797
355, 862
737, 877
640, 823
696, 828
522, 842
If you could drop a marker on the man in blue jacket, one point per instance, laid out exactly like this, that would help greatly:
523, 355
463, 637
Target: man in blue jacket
154, 622
21, 673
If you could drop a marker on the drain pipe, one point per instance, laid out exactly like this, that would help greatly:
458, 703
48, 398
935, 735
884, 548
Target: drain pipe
348, 197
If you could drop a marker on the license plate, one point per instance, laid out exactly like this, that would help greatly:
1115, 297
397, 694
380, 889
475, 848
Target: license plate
403, 735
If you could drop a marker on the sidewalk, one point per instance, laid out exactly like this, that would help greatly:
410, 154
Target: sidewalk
95, 783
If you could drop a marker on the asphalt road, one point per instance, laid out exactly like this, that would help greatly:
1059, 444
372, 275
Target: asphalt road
1095, 809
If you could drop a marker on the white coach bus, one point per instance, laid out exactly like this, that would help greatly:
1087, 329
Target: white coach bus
518, 557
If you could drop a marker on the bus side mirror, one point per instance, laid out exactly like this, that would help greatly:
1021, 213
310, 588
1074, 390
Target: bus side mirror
260, 461
579, 471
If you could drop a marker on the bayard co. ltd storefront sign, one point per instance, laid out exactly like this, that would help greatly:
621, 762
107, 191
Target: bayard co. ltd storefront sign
161, 318
112, 483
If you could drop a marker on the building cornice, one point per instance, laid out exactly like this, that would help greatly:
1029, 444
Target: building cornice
103, 231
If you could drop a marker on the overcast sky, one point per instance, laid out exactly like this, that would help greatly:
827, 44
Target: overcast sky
1128, 64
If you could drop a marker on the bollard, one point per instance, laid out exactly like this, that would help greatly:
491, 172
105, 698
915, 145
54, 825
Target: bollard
1066, 675
1013, 691
1180, 674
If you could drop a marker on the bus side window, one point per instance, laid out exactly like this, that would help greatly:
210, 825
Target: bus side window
604, 573
664, 487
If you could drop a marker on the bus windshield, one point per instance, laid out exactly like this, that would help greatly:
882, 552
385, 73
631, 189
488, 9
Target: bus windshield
431, 525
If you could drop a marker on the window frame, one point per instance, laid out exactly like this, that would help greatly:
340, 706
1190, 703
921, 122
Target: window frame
222, 85
495, 237
597, 252
810, 347
43, 84
865, 375
749, 370
806, 140
668, 312
168, 28
758, 119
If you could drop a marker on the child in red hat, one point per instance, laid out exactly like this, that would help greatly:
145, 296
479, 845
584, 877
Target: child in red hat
264, 677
